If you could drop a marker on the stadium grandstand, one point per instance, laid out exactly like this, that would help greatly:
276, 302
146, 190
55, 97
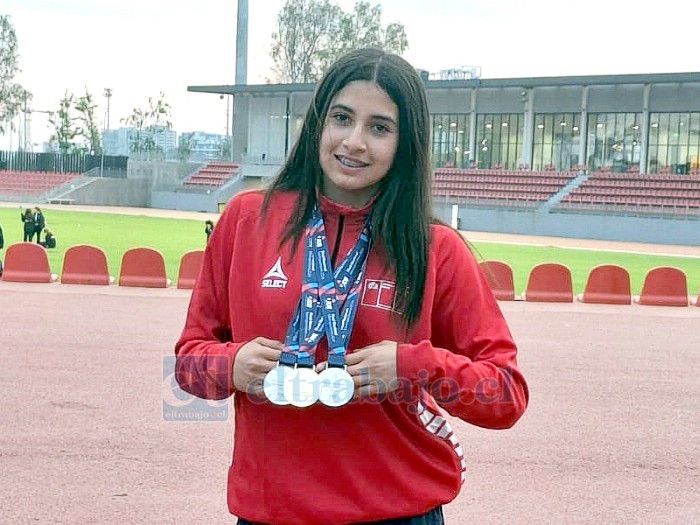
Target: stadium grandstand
614, 156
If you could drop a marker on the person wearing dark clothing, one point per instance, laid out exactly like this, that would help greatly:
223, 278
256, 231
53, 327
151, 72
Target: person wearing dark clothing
208, 228
49, 239
39, 223
28, 221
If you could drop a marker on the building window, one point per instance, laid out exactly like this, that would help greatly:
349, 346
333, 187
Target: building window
556, 141
614, 142
499, 140
450, 134
674, 143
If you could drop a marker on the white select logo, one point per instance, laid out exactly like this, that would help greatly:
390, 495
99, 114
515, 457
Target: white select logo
275, 277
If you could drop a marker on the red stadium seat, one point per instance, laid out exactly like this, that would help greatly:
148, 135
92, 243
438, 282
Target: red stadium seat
550, 282
26, 262
85, 264
608, 284
664, 286
499, 275
143, 267
190, 264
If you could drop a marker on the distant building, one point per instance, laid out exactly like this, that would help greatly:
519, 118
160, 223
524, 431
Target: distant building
118, 141
206, 146
166, 139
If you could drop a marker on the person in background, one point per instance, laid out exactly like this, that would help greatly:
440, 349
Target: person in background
39, 223
208, 228
49, 239
346, 321
28, 224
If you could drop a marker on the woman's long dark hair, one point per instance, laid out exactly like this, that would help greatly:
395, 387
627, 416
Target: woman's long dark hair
402, 211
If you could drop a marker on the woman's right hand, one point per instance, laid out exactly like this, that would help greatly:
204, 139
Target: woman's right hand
255, 359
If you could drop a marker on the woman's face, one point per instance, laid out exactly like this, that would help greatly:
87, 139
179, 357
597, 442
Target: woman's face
358, 143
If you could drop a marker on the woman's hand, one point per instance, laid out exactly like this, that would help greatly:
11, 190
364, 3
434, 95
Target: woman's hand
372, 368
255, 359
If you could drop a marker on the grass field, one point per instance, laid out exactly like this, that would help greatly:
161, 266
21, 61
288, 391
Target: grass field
115, 234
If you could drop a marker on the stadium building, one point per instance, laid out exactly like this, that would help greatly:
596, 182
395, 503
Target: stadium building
556, 156
647, 124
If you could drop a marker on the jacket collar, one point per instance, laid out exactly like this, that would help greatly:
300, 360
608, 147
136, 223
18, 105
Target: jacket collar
333, 209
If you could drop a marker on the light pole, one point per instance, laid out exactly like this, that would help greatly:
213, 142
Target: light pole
229, 141
105, 127
108, 95
23, 128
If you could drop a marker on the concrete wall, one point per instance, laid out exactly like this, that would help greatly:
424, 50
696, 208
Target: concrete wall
111, 192
579, 226
161, 174
181, 199
259, 170
143, 178
175, 200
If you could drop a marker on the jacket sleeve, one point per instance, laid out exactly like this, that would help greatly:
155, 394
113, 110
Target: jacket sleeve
205, 351
469, 365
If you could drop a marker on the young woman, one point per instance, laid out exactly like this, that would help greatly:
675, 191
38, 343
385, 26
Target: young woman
39, 223
346, 321
28, 225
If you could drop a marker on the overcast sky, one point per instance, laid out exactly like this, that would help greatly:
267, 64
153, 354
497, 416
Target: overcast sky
139, 48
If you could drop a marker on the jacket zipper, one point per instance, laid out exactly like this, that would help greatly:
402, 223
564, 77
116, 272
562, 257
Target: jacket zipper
336, 247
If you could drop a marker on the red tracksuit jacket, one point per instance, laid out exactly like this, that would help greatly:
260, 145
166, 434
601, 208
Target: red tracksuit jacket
368, 460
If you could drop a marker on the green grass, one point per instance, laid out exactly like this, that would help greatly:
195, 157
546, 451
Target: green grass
522, 258
115, 234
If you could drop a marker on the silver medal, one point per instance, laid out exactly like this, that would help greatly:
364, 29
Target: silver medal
336, 387
273, 384
301, 387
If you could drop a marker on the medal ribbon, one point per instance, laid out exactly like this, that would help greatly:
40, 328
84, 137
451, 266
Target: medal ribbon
329, 298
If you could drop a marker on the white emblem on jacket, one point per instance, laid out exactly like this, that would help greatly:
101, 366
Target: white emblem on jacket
275, 277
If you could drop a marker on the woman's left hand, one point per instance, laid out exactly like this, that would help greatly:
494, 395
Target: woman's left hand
372, 368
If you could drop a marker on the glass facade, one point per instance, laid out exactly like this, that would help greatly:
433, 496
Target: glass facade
614, 142
674, 143
556, 141
499, 140
451, 140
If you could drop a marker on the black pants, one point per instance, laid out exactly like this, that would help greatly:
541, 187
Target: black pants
433, 517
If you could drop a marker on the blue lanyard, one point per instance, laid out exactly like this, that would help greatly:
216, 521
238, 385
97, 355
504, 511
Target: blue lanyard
329, 298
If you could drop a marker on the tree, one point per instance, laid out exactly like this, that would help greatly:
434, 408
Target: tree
149, 123
89, 129
65, 130
13, 97
303, 29
312, 34
363, 28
